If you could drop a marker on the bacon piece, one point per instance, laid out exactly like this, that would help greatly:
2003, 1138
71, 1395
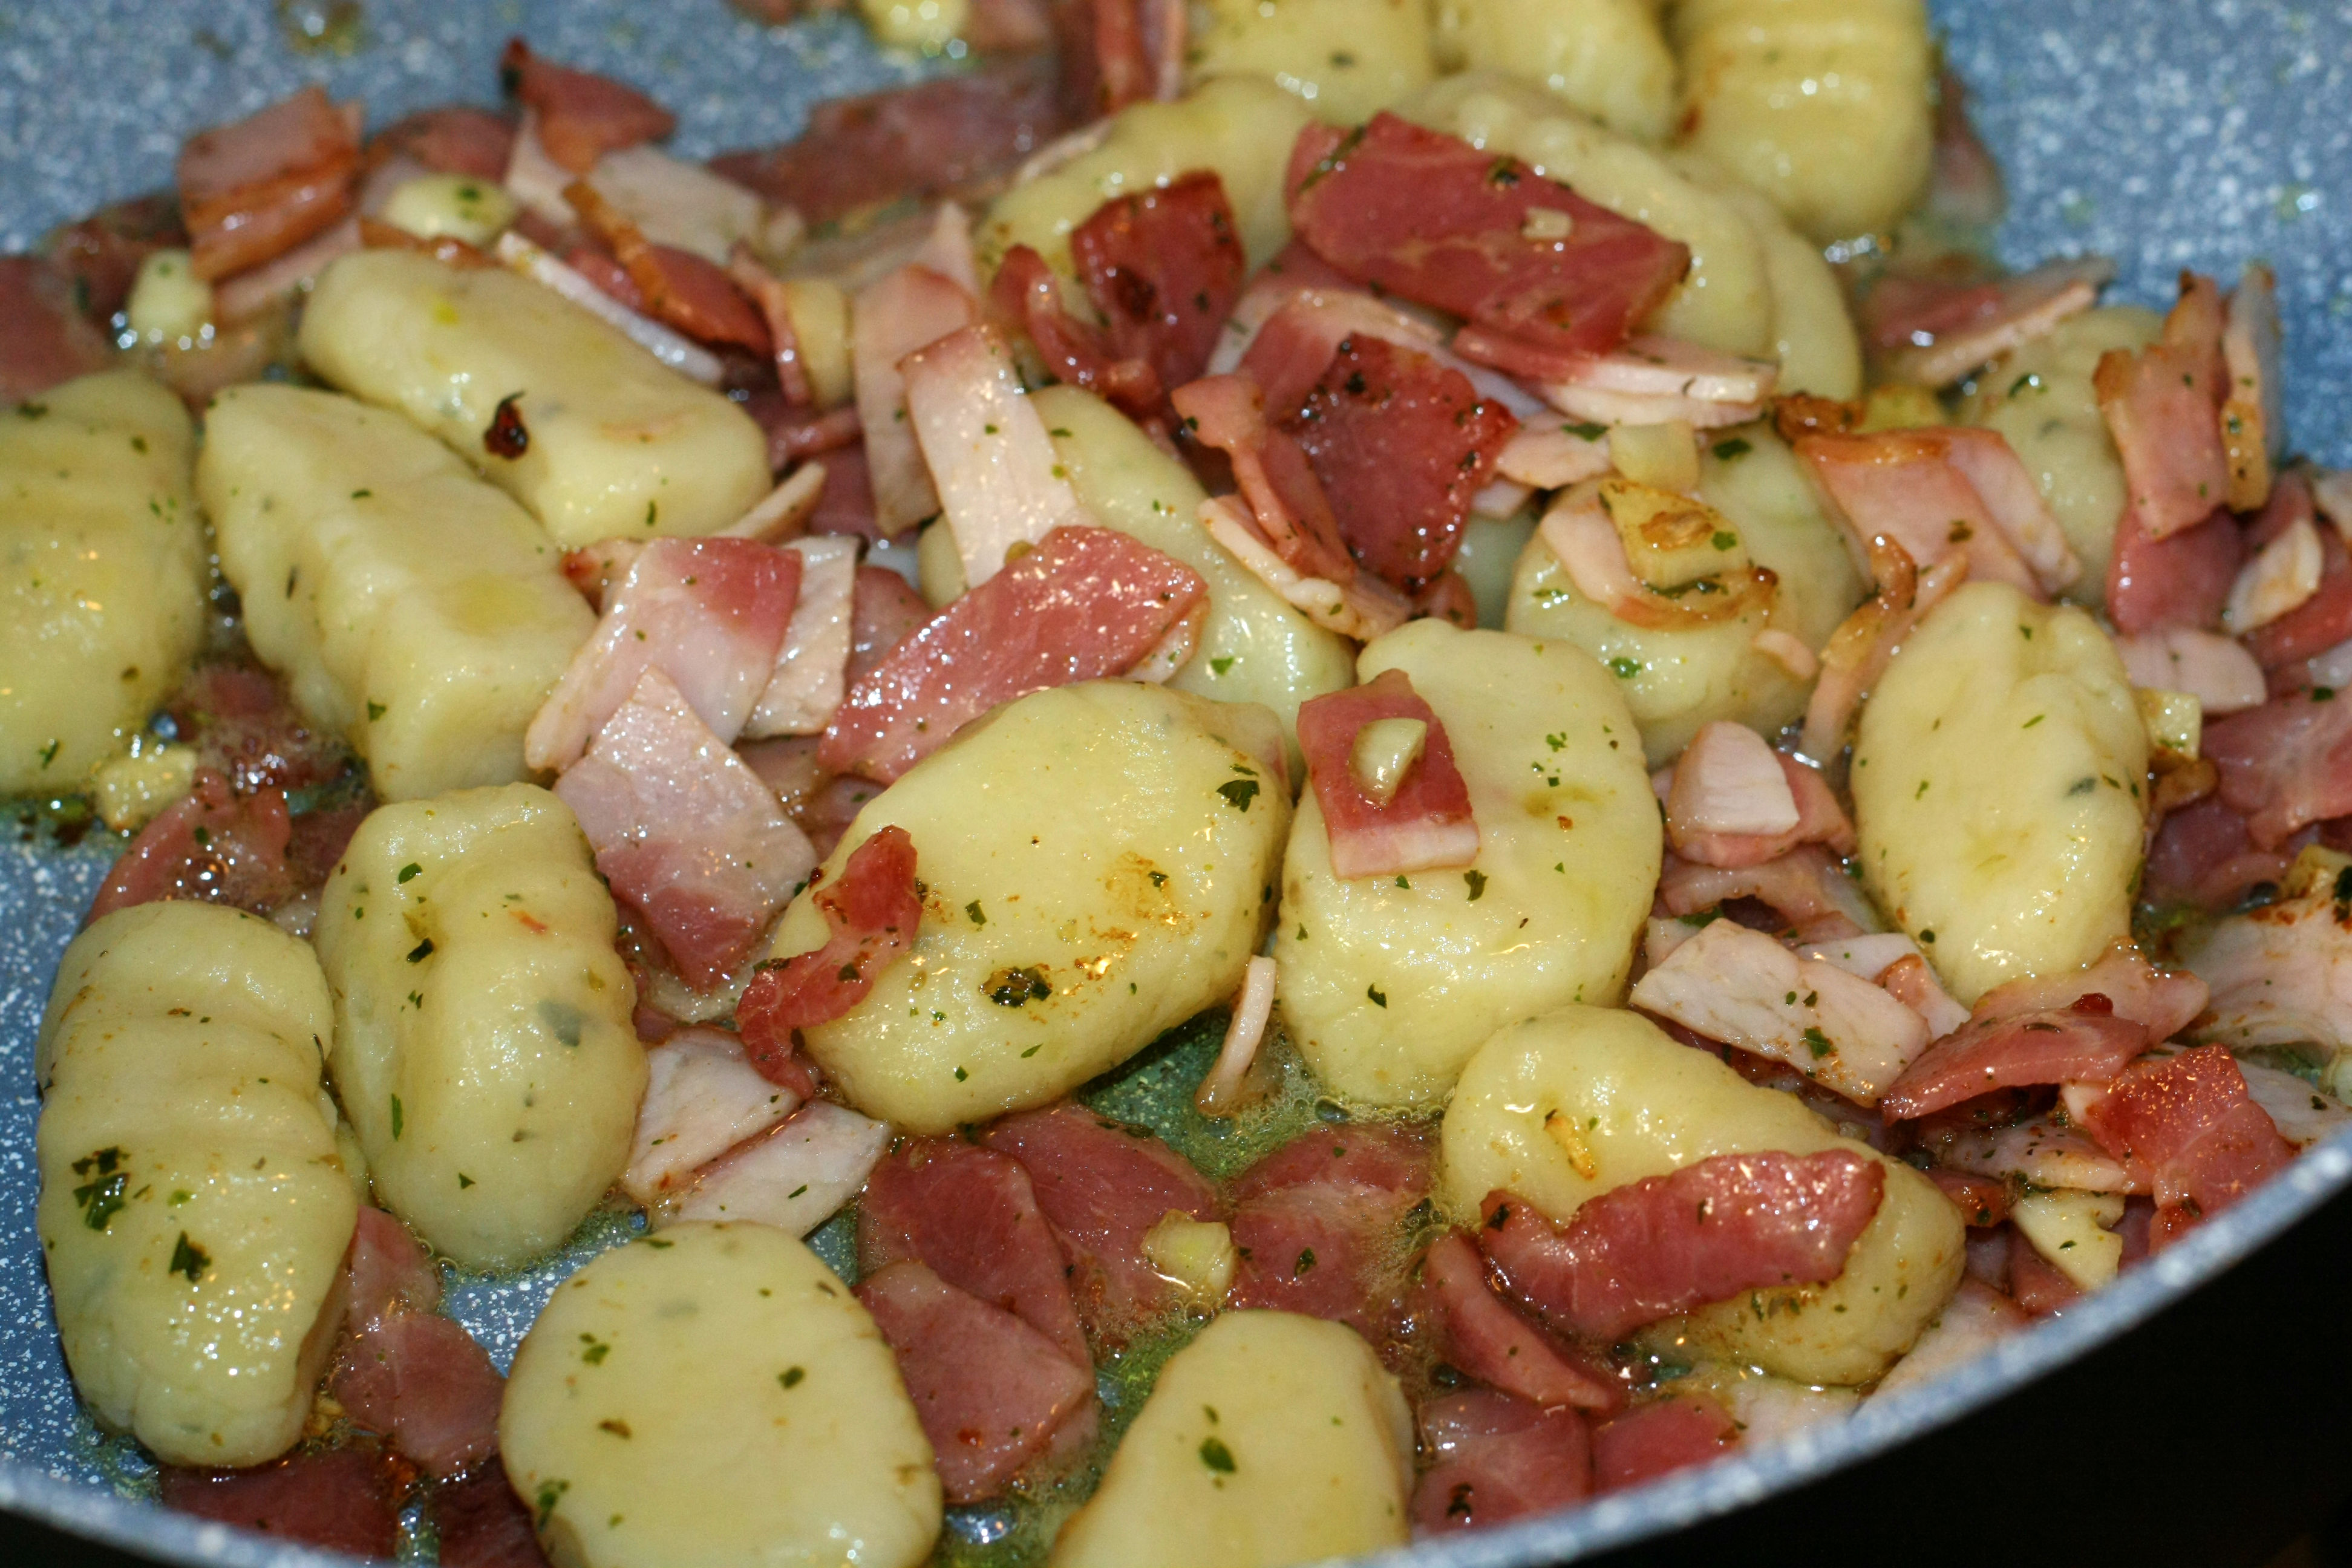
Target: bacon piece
1982, 1201
917, 141
581, 116
339, 1500
1659, 1437
1085, 604
1931, 332
1744, 989
872, 909
211, 846
1228, 413
100, 255
1430, 217
767, 291
1805, 887
44, 340
794, 1177
1665, 1245
806, 686
2041, 1289
1971, 1322
1484, 1339
992, 1391
482, 1523
1315, 1223
702, 1098
2041, 1152
2053, 1045
678, 286
1104, 66
2320, 622
709, 613
971, 1216
2180, 580
2163, 1001
1499, 1457
1649, 380
1425, 824
424, 1384
388, 1271
681, 353
1231, 1082
1000, 482
2193, 1122
2285, 764
257, 187
1292, 319
2216, 670
883, 612
1816, 816
684, 832
1102, 1184
1164, 266
2278, 580
1728, 781
2202, 854
1027, 293
1401, 445
905, 311
2281, 975
1866, 641
450, 139
1947, 492
2163, 407
796, 435
255, 291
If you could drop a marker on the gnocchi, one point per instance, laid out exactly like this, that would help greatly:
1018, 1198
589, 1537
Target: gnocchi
1825, 106
415, 609
102, 569
1387, 985
1348, 59
1098, 862
1605, 58
1567, 1105
1271, 1439
1998, 782
715, 1396
483, 1047
194, 1210
2041, 400
616, 446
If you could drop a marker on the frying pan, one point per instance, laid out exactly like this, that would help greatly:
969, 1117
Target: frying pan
2199, 1411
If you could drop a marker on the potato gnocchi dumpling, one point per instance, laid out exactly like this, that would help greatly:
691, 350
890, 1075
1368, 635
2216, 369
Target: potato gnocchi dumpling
1998, 795
1676, 678
1605, 58
1566, 1106
484, 1046
618, 446
1098, 864
193, 1212
1825, 106
1271, 1439
1812, 336
713, 1397
412, 607
2041, 400
1725, 302
1348, 59
1255, 646
1240, 126
101, 575
1387, 984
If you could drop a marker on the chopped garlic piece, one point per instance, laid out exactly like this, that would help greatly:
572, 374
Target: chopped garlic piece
1196, 1255
168, 301
2175, 721
925, 26
1543, 224
2070, 1229
1384, 752
456, 206
131, 790
1663, 456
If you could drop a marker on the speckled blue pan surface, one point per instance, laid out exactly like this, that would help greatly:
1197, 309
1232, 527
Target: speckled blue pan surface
2165, 133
